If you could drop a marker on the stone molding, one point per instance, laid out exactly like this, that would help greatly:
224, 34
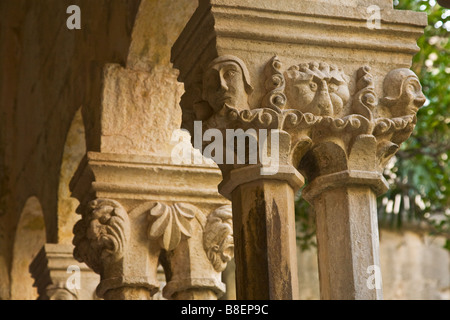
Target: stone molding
103, 175
50, 271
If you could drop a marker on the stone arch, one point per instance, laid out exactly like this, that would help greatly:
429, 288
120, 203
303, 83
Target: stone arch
30, 236
73, 153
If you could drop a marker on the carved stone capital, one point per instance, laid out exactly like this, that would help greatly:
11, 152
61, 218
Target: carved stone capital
197, 248
134, 208
104, 241
320, 119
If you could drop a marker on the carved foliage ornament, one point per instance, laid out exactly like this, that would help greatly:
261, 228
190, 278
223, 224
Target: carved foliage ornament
171, 223
102, 234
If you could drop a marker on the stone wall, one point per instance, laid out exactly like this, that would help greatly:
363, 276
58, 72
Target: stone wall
414, 266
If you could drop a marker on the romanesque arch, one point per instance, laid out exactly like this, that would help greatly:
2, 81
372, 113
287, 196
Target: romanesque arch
29, 239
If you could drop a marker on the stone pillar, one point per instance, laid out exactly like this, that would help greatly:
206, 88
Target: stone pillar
140, 200
333, 117
58, 276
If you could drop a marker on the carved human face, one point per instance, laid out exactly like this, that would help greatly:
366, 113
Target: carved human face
224, 84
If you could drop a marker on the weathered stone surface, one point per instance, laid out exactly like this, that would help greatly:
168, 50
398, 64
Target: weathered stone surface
415, 266
347, 240
265, 241
139, 111
29, 239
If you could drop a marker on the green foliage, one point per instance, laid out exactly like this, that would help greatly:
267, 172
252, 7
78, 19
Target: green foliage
305, 225
420, 176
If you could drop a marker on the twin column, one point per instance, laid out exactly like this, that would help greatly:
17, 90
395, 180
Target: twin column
331, 104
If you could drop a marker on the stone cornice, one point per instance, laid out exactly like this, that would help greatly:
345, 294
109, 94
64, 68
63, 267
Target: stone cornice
300, 23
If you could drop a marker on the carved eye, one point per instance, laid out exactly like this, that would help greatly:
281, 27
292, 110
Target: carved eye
413, 87
332, 88
313, 86
229, 74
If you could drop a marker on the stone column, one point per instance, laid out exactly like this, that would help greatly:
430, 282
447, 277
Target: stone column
141, 202
333, 117
58, 276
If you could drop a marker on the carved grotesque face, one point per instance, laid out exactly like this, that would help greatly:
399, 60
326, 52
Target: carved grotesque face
318, 89
218, 238
339, 93
226, 250
225, 82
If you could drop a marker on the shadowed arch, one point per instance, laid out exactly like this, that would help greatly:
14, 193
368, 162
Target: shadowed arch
29, 239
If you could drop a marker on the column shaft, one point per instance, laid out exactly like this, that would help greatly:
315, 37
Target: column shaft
264, 231
128, 293
348, 243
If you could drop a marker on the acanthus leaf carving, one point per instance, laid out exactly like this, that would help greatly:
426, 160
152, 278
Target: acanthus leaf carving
170, 223
102, 233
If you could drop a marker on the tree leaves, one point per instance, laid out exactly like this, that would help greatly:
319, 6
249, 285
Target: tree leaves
422, 171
